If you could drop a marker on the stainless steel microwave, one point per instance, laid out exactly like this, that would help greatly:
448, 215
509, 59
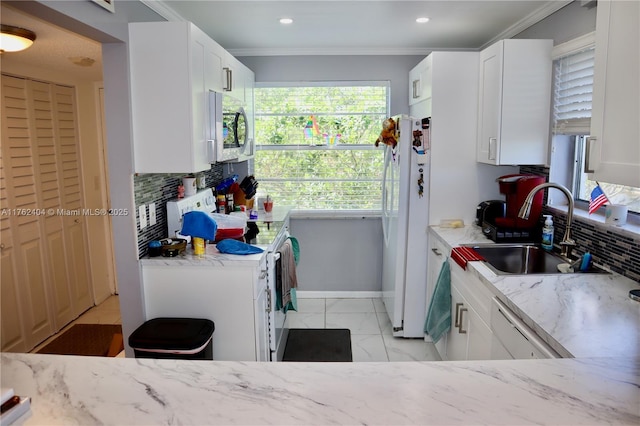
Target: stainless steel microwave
229, 138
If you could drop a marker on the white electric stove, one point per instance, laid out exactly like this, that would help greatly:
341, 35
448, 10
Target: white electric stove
203, 201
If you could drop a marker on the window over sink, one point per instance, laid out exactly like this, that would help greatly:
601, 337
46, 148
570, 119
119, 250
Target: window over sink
315, 143
572, 100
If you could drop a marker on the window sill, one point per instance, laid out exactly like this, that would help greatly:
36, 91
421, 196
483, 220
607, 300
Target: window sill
631, 228
334, 214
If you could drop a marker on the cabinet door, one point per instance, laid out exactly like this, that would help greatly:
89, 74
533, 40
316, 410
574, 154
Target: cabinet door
614, 150
457, 337
436, 258
214, 57
479, 336
489, 103
233, 77
514, 103
200, 48
420, 81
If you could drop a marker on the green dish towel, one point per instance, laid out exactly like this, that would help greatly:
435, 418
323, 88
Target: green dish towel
438, 320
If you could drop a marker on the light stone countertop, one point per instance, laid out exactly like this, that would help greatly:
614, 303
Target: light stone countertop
213, 257
602, 386
67, 390
578, 315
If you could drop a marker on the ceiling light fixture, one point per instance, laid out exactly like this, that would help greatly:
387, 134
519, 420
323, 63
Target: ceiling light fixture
286, 21
422, 20
14, 39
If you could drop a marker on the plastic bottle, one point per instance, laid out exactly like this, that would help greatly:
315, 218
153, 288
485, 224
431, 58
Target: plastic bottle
547, 233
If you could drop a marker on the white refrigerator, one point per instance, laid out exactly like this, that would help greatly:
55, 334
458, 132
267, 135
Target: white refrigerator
405, 202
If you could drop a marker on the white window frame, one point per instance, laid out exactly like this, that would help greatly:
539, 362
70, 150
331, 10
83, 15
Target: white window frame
572, 158
339, 147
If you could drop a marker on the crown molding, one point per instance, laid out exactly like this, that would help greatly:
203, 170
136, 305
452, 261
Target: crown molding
162, 9
533, 18
339, 51
574, 46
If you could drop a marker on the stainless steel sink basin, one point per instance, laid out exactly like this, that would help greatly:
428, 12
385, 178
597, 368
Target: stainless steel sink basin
521, 259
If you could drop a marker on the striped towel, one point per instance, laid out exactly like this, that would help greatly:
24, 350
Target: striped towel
462, 255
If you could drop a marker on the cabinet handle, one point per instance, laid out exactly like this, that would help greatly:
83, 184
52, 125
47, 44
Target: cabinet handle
587, 155
416, 89
436, 252
460, 330
457, 321
229, 77
492, 148
263, 274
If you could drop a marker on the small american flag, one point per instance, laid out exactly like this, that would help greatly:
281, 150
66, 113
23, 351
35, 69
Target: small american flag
598, 198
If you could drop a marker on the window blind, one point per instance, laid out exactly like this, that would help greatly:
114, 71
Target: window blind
573, 93
315, 143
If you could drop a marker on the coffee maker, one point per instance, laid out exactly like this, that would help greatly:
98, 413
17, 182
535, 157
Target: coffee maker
511, 228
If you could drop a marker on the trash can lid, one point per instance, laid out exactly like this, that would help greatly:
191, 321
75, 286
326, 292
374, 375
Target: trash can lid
172, 334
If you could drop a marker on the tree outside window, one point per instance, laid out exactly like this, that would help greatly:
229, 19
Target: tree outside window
315, 144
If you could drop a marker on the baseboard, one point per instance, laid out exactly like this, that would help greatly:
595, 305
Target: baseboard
338, 294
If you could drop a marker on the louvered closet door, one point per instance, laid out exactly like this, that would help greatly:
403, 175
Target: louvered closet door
48, 172
46, 248
24, 272
70, 185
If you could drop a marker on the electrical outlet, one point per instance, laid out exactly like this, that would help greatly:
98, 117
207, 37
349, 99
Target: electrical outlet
152, 214
142, 214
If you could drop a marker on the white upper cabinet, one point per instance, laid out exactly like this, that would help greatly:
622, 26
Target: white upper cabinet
420, 81
173, 66
234, 77
514, 102
614, 147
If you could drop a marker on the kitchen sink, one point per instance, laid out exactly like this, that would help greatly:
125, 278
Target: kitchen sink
522, 259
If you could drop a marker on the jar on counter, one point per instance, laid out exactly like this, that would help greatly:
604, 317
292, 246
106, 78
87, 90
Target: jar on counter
221, 203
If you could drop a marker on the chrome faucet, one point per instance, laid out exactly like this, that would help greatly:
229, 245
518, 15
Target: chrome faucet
567, 243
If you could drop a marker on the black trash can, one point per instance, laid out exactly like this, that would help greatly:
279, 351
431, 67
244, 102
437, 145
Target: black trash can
174, 338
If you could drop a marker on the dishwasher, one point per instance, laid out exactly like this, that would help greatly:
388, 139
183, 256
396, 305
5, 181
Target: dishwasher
513, 339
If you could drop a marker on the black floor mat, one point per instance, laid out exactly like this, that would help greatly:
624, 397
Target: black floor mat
318, 345
83, 339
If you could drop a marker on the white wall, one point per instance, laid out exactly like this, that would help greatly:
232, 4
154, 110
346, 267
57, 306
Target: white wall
339, 254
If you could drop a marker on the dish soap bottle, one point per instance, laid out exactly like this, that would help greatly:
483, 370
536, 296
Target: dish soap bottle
547, 233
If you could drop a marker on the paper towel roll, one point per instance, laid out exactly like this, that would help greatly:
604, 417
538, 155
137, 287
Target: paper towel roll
615, 214
189, 183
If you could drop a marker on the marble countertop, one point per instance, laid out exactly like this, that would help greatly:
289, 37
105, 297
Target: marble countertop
270, 224
578, 315
115, 391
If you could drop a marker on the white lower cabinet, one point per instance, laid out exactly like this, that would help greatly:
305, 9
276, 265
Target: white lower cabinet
235, 298
437, 255
482, 327
470, 336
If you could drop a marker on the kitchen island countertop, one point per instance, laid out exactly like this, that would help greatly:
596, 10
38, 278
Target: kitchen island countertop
578, 315
117, 391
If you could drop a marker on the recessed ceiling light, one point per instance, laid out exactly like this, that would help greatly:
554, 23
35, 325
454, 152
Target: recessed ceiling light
286, 21
422, 20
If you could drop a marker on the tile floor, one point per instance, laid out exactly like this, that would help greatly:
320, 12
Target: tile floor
367, 319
